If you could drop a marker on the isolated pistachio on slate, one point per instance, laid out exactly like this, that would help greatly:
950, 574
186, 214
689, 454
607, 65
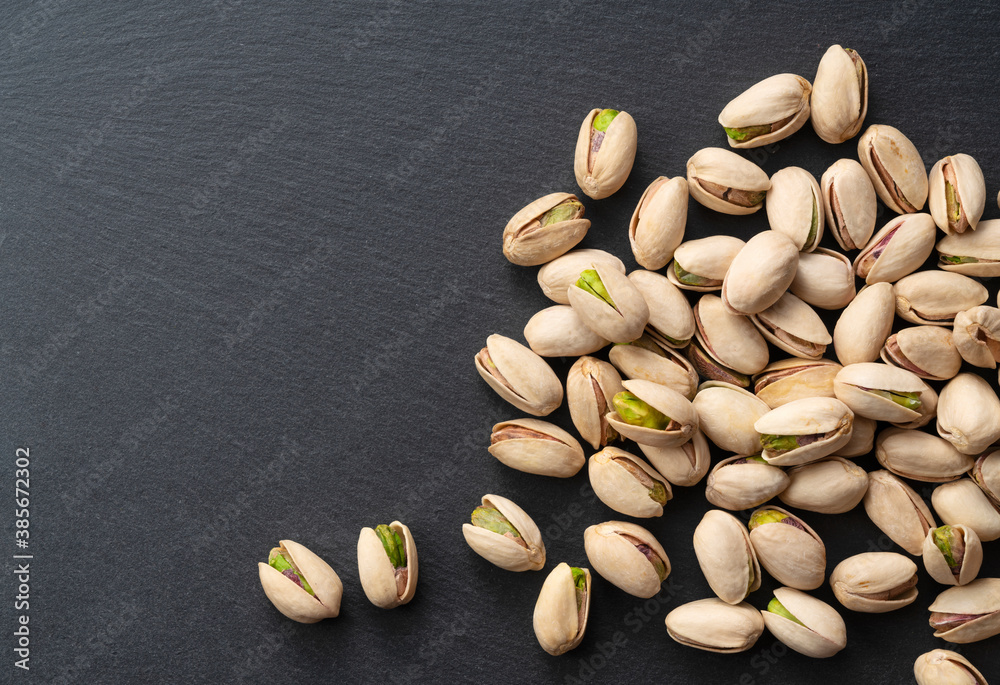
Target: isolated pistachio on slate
957, 193
972, 253
936, 297
558, 331
387, 564
963, 502
839, 95
928, 351
645, 358
545, 229
652, 414
557, 276
920, 456
804, 430
768, 111
793, 326
788, 548
724, 181
898, 249
865, 324
700, 265
519, 376
627, 484
657, 225
538, 447
824, 279
875, 582
760, 274
849, 202
301, 586
953, 555
627, 556
605, 151
944, 667
503, 534
609, 304
805, 624
715, 626
967, 613
794, 207
744, 482
591, 385
726, 557
727, 413
886, 393
793, 379
562, 609
671, 320
898, 511
829, 486
726, 346
682, 465
895, 168
968, 414
976, 336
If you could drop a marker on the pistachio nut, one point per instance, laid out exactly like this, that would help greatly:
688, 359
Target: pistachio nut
794, 207
972, 253
727, 413
898, 249
824, 279
788, 548
701, 265
968, 414
768, 111
504, 535
627, 556
793, 379
590, 386
957, 193
944, 667
849, 202
894, 167
928, 351
875, 582
962, 502
986, 473
627, 484
760, 273
920, 456
840, 95
726, 346
519, 376
976, 336
609, 304
715, 626
953, 555
726, 556
744, 482
557, 276
545, 229
898, 511
832, 485
726, 182
671, 321
936, 297
967, 613
657, 224
538, 447
862, 440
652, 414
387, 564
793, 326
682, 465
647, 359
864, 325
562, 609
804, 430
605, 151
299, 584
558, 331
805, 624
886, 393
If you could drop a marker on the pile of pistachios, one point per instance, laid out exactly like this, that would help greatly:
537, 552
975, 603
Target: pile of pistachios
682, 373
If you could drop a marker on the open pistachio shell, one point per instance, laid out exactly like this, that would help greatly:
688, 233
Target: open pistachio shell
715, 626
657, 225
760, 273
936, 297
788, 548
682, 465
850, 203
671, 321
928, 351
862, 440
793, 326
538, 447
557, 276
875, 582
727, 413
701, 265
726, 556
895, 168
519, 550
899, 248
953, 555
561, 611
824, 279
967, 613
385, 585
804, 430
817, 631
886, 393
973, 253
627, 556
740, 483
898, 511
681, 416
604, 159
290, 598
794, 207
545, 229
792, 379
649, 360
622, 321
726, 340
768, 111
968, 414
864, 325
976, 336
627, 484
519, 376
590, 387
840, 95
944, 667
832, 485
986, 473
558, 331
962, 502
957, 193
726, 182
920, 456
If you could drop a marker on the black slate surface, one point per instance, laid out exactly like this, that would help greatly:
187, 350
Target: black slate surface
248, 253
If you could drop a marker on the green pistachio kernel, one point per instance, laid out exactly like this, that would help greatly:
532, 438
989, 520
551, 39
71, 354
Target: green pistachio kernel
779, 443
580, 582
814, 227
688, 278
658, 493
766, 516
635, 412
279, 562
564, 211
747, 132
910, 400
757, 459
604, 119
776, 607
394, 547
591, 282
954, 206
943, 540
950, 259
492, 520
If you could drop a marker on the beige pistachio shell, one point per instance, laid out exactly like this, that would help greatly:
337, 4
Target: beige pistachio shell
829, 486
849, 203
780, 102
820, 634
727, 413
792, 379
840, 95
979, 598
591, 384
738, 484
920, 456
796, 557
962, 502
621, 489
602, 174
824, 279
684, 422
898, 511
646, 359
707, 258
864, 325
760, 273
730, 339
944, 667
978, 251
558, 621
968, 414
558, 331
527, 243
793, 326
854, 383
538, 447
928, 351
671, 321
502, 551
557, 276
726, 556
794, 207
621, 323
895, 168
378, 577
862, 440
875, 582
986, 473
657, 225
715, 626
936, 297
968, 568
713, 174
963, 174
809, 416
684, 465
290, 599
613, 550
976, 336
520, 376
899, 248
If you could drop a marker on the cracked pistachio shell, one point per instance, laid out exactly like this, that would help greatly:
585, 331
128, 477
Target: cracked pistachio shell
944, 667
590, 386
875, 582
794, 554
794, 327
726, 415
684, 419
849, 202
936, 297
829, 486
973, 253
715, 626
979, 598
293, 601
671, 321
726, 182
682, 465
857, 386
558, 331
920, 456
502, 551
899, 248
968, 414
962, 173
824, 279
794, 207
963, 502
760, 273
726, 557
615, 550
558, 275
820, 634
968, 565
739, 484
559, 621
377, 574
773, 109
862, 440
621, 488
976, 336
646, 359
793, 379
519, 376
825, 417
928, 351
535, 446
894, 167
986, 473
730, 339
602, 171
622, 322
526, 242
898, 511
657, 225
840, 95
700, 265
864, 325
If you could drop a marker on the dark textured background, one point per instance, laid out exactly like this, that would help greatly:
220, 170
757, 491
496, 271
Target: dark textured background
249, 251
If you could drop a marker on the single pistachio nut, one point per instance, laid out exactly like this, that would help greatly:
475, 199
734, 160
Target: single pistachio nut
652, 414
627, 556
944, 667
760, 274
875, 582
715, 626
671, 320
899, 248
768, 111
849, 202
895, 168
299, 584
726, 557
726, 346
545, 229
558, 331
937, 297
862, 440
503, 534
609, 304
986, 473
726, 182
627, 484
795, 208
957, 193
972, 253
387, 564
824, 279
805, 624
793, 379
968, 414
535, 446
744, 482
605, 152
684, 465
865, 324
788, 548
519, 376
591, 384
645, 358
555, 277
562, 609
701, 265
976, 336
962, 502
840, 95
953, 555
804, 430
832, 485
793, 326
657, 224
898, 511
920, 456
928, 351
727, 413
967, 613
886, 393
